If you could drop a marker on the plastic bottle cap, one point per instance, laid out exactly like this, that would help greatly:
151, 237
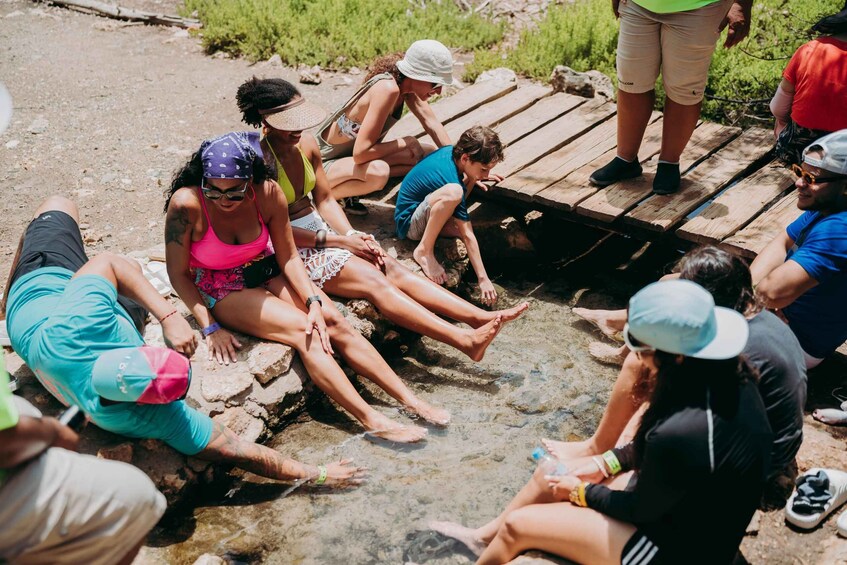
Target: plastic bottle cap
538, 453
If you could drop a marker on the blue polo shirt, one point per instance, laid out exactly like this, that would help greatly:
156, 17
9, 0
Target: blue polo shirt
819, 316
434, 171
60, 325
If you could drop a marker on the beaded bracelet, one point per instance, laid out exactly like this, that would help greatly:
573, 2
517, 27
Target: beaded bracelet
166, 316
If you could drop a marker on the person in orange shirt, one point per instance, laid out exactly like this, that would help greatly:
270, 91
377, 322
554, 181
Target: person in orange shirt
809, 102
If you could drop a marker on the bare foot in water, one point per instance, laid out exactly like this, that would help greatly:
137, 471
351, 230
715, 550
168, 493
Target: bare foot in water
463, 534
430, 265
387, 429
566, 450
480, 338
610, 322
433, 415
606, 353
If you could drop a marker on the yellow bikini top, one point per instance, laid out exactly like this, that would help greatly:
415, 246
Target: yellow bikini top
285, 184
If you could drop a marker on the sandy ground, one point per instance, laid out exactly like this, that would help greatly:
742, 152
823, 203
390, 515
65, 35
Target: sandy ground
104, 112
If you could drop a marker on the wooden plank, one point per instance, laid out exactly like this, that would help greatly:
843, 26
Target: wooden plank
738, 205
497, 111
752, 239
661, 212
554, 135
452, 107
574, 188
555, 166
539, 114
616, 200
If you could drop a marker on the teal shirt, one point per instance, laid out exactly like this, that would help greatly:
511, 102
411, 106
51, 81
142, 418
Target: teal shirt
673, 6
8, 410
60, 325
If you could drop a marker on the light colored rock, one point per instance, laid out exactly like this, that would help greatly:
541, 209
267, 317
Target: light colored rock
364, 309
565, 79
245, 426
309, 75
226, 383
281, 396
275, 60
208, 558
268, 360
602, 84
38, 125
500, 73
122, 452
12, 143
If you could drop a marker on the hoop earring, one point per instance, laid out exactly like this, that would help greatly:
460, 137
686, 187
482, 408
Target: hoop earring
265, 131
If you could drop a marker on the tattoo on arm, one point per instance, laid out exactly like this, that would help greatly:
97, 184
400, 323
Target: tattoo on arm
175, 226
227, 447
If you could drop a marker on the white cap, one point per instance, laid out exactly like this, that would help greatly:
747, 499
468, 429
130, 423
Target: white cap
428, 60
833, 148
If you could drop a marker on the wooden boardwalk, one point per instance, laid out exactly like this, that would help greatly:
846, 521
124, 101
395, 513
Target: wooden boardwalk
732, 194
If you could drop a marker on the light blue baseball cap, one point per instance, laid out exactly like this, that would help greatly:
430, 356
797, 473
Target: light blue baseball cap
680, 317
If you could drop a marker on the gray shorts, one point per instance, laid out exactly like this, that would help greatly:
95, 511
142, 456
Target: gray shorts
73, 508
417, 224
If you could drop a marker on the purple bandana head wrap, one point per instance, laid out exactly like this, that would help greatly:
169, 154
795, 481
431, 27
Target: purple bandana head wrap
229, 156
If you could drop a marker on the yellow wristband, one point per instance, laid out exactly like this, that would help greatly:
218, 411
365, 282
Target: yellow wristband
321, 475
581, 492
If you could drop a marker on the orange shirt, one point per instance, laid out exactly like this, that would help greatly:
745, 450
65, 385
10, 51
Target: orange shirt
818, 71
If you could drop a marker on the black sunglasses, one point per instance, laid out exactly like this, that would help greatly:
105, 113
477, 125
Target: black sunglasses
233, 194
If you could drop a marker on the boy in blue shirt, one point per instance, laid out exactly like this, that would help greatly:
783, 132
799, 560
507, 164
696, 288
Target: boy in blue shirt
433, 198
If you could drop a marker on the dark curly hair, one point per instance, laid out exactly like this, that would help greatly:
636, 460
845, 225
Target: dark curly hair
386, 64
261, 93
191, 174
481, 143
724, 275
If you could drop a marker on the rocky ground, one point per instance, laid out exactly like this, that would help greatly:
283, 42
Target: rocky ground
105, 111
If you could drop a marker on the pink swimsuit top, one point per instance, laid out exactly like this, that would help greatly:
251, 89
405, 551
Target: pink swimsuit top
212, 253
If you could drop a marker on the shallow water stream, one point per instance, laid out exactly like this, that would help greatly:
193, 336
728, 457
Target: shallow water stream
537, 380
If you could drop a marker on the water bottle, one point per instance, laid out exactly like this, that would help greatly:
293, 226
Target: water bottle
548, 464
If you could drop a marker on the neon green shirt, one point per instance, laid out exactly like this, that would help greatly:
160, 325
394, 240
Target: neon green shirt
672, 6
8, 411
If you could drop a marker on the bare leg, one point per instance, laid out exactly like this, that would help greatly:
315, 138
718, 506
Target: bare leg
679, 123
59, 203
634, 112
580, 534
360, 279
438, 299
621, 408
402, 161
346, 178
610, 322
259, 313
442, 204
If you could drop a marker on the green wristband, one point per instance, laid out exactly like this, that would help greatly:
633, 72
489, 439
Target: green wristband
612, 462
321, 475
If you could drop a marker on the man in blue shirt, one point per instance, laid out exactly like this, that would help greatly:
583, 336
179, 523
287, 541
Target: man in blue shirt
803, 271
433, 198
68, 319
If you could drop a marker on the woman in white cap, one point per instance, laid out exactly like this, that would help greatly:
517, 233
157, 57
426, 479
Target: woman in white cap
699, 455
356, 160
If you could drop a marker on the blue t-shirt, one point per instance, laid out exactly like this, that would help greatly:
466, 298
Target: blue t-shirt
60, 325
434, 171
819, 316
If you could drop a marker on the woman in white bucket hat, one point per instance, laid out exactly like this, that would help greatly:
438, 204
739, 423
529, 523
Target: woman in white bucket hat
356, 159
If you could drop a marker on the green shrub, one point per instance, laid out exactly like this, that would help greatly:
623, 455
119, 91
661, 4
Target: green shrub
335, 33
583, 36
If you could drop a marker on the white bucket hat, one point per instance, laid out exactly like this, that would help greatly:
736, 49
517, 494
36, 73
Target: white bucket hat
834, 149
428, 60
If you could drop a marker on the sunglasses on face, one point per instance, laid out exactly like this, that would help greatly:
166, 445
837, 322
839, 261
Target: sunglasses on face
233, 194
810, 178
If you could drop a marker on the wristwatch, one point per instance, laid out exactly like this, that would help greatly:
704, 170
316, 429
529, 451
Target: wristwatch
311, 299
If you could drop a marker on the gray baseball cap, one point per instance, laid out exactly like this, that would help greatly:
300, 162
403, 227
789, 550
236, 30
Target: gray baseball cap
833, 148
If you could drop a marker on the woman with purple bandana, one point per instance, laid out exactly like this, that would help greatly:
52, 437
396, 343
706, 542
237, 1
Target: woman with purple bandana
231, 258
